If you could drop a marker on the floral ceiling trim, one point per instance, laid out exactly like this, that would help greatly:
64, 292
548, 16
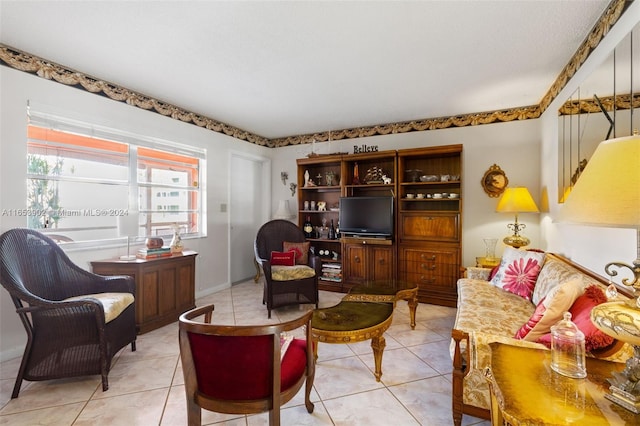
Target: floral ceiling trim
48, 70
586, 106
26, 62
475, 119
602, 27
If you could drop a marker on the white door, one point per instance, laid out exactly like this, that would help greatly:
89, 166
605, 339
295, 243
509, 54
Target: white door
249, 209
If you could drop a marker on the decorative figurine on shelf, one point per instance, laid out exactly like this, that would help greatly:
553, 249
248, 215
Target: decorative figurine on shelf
176, 242
329, 178
322, 206
374, 175
356, 175
386, 180
306, 178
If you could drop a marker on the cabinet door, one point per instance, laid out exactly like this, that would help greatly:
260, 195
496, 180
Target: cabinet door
168, 288
185, 290
382, 260
431, 226
434, 269
149, 297
354, 261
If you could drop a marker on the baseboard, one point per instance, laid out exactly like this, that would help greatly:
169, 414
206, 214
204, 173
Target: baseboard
11, 353
210, 290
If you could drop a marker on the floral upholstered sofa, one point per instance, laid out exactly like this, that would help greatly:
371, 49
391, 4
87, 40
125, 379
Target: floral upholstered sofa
528, 293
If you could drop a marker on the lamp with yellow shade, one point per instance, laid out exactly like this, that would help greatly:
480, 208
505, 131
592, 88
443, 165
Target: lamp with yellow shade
608, 194
516, 200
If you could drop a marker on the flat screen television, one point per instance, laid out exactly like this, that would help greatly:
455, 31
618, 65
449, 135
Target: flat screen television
366, 216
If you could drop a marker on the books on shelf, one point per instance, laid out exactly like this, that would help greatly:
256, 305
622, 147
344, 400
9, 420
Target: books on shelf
331, 272
147, 253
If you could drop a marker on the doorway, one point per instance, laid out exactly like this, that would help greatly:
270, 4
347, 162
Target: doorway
249, 208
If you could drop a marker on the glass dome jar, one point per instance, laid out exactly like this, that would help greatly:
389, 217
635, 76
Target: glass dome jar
567, 349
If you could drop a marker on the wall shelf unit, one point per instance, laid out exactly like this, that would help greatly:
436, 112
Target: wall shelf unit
429, 221
426, 246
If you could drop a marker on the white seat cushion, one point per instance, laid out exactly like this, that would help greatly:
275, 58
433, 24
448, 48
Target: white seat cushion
112, 303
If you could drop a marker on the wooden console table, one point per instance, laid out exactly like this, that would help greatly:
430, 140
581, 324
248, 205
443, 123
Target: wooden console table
165, 287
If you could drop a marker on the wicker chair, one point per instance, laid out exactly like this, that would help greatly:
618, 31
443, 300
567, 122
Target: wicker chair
240, 369
270, 238
75, 321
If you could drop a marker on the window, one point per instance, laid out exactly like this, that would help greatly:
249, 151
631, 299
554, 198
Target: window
85, 183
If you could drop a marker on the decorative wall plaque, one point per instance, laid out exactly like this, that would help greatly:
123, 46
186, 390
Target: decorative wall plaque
494, 181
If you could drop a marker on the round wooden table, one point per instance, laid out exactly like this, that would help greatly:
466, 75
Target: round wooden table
350, 322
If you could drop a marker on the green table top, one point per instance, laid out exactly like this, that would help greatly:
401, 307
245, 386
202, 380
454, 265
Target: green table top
349, 316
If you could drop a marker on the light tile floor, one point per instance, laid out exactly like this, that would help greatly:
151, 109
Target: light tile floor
146, 387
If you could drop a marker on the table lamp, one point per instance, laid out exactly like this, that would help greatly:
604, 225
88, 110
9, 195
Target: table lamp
516, 200
128, 226
608, 194
283, 211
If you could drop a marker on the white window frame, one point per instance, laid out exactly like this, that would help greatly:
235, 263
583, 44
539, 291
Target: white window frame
41, 118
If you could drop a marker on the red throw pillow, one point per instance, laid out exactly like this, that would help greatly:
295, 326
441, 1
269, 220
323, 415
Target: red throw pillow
581, 317
301, 250
285, 259
493, 272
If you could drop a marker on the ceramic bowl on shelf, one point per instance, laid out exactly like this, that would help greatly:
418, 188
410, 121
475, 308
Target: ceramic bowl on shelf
429, 178
420, 196
413, 175
410, 196
437, 195
453, 195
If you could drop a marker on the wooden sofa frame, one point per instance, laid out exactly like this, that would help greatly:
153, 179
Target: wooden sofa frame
460, 368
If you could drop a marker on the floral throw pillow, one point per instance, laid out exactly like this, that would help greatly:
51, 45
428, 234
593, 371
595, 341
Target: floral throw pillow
518, 271
301, 250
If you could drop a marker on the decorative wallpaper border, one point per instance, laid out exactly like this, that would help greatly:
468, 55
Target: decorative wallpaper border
583, 106
26, 62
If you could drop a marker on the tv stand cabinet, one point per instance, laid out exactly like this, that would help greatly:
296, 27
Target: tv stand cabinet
367, 260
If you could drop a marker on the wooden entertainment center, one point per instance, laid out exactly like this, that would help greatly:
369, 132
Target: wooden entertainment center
426, 244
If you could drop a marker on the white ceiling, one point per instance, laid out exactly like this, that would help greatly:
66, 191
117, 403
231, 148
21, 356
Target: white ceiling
282, 68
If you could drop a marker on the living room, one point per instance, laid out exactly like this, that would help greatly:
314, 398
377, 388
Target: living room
527, 150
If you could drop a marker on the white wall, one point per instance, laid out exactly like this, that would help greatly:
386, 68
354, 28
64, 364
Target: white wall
514, 146
592, 247
525, 150
17, 88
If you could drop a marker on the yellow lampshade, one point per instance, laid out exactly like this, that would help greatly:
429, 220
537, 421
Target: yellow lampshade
516, 200
608, 191
608, 194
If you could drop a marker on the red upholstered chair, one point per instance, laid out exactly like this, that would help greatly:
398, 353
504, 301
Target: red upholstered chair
280, 287
75, 321
238, 369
